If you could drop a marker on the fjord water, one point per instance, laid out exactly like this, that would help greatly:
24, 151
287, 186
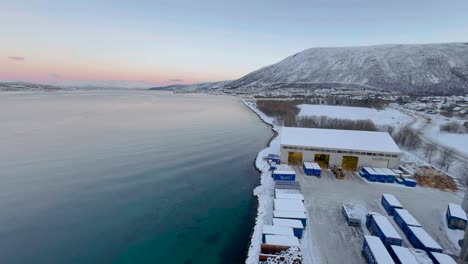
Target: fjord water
126, 177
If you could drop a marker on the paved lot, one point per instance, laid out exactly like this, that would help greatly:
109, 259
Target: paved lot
328, 239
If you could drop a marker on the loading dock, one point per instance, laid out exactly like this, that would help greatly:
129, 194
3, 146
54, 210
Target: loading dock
295, 158
350, 163
322, 160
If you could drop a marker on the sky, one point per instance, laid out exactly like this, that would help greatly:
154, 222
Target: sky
172, 42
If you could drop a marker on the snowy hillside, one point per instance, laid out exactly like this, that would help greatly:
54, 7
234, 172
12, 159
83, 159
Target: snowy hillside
23, 86
422, 68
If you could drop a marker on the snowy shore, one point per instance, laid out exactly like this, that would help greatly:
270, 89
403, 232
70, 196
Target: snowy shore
264, 191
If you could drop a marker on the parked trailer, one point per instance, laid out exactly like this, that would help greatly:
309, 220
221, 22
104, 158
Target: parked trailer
284, 175
383, 229
375, 252
302, 216
289, 205
351, 217
439, 258
420, 239
389, 202
456, 217
276, 230
308, 168
402, 255
404, 219
296, 225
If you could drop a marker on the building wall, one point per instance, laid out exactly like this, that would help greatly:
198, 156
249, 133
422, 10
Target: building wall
337, 158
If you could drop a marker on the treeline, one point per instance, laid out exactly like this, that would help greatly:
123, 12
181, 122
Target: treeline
407, 137
377, 103
335, 123
284, 112
455, 127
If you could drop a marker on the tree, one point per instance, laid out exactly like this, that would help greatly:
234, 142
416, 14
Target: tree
429, 151
446, 159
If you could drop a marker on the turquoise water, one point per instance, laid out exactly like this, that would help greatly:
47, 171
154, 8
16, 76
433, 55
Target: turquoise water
126, 177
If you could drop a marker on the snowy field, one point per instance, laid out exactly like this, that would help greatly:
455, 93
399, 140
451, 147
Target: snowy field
456, 141
328, 239
379, 117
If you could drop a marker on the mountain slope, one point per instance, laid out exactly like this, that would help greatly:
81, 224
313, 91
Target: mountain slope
421, 68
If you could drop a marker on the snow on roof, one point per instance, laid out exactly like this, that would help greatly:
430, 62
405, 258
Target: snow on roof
404, 255
289, 241
407, 217
349, 209
308, 165
378, 249
277, 230
289, 205
380, 171
397, 171
296, 196
389, 172
316, 166
287, 191
392, 201
443, 258
288, 223
387, 229
283, 171
339, 139
424, 237
370, 170
457, 211
289, 214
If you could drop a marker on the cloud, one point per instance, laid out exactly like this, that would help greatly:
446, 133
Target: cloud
54, 75
16, 58
175, 80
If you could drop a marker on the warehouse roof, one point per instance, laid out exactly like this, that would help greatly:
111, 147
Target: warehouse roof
339, 139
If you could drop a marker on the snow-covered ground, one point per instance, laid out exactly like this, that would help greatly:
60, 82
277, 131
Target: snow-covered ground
387, 116
456, 141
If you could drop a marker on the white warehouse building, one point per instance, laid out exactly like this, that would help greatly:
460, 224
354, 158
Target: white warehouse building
331, 147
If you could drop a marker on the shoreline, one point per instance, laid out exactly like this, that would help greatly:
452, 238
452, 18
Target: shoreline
264, 191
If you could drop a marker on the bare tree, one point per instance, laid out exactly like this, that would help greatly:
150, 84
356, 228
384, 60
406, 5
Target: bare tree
446, 159
429, 151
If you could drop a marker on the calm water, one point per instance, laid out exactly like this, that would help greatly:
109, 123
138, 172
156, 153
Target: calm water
126, 177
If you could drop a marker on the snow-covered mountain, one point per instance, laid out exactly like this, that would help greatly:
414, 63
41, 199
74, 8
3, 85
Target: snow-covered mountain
194, 87
419, 68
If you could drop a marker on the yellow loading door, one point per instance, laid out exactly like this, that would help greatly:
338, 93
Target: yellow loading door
349, 163
322, 160
295, 158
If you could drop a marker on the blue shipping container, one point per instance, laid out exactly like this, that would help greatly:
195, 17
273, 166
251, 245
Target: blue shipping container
439, 258
389, 202
375, 252
284, 176
410, 182
420, 239
456, 217
383, 229
404, 220
308, 168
